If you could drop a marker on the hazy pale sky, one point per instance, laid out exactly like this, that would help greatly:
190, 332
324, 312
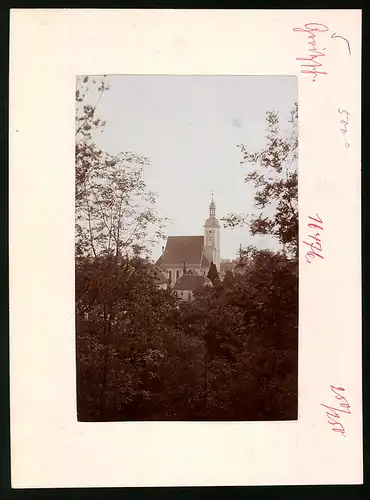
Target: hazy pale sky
189, 126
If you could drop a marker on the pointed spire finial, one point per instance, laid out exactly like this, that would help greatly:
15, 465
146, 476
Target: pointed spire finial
212, 206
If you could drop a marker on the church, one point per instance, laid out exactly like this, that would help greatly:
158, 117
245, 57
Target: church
192, 254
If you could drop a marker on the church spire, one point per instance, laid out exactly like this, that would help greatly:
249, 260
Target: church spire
212, 235
212, 208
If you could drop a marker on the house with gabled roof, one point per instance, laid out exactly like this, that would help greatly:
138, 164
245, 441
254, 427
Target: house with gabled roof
187, 284
192, 254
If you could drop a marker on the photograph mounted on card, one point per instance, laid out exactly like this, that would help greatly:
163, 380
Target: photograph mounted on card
181, 215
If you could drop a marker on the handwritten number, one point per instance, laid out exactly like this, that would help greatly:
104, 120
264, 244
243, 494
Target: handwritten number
343, 131
340, 110
334, 35
311, 254
334, 414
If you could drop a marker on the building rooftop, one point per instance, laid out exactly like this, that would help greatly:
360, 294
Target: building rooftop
191, 282
205, 262
180, 249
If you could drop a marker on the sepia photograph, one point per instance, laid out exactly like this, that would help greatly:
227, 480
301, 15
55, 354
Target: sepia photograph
186, 248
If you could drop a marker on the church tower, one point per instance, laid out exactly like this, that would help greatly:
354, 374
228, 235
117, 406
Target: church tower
212, 236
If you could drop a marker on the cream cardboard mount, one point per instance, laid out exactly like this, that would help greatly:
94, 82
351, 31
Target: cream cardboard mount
48, 48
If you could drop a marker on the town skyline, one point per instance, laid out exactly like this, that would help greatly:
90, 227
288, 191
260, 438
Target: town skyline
200, 233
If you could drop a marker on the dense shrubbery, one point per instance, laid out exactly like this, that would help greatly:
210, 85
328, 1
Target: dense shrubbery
229, 354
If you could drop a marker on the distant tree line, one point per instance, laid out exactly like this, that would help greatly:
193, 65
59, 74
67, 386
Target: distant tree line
231, 353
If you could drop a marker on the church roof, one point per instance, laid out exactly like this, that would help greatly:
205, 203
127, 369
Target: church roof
191, 281
205, 262
180, 249
159, 261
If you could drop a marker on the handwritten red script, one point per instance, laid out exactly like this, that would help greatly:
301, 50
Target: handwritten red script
334, 414
314, 245
311, 28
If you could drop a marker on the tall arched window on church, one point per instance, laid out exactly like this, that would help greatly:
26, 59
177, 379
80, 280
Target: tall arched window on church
177, 274
170, 276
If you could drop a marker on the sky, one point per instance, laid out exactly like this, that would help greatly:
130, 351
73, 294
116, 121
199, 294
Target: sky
189, 127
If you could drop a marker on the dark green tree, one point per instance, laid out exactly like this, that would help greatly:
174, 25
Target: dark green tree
115, 223
228, 280
213, 274
274, 176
